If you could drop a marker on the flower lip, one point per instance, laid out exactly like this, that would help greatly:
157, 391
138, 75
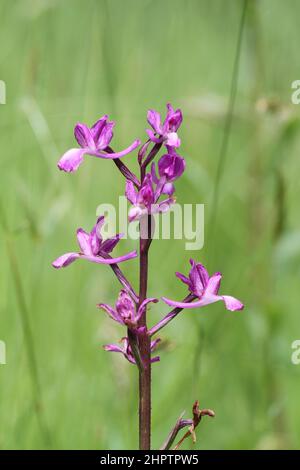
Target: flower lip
171, 166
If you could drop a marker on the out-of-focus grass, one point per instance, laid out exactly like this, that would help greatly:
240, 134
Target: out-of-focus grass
74, 60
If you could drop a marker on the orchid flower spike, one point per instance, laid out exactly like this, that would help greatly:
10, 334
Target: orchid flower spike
125, 311
205, 288
125, 349
145, 201
93, 141
93, 248
167, 132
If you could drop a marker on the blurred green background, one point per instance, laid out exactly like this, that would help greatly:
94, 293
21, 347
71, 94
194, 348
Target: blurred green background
75, 60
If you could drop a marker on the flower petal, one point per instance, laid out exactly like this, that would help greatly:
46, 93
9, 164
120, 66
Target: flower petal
105, 136
155, 359
136, 213
171, 165
83, 239
113, 348
153, 173
231, 303
125, 305
152, 137
170, 112
154, 343
122, 153
154, 119
168, 189
203, 274
84, 136
175, 120
65, 260
145, 195
143, 306
199, 278
143, 151
97, 128
71, 160
120, 259
98, 225
213, 284
183, 278
108, 245
200, 303
125, 350
163, 206
95, 236
112, 313
159, 188
172, 140
130, 192
148, 301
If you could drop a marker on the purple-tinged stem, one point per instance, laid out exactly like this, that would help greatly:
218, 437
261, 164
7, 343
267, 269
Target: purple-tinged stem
124, 169
122, 279
135, 348
169, 316
197, 416
180, 424
144, 345
152, 154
